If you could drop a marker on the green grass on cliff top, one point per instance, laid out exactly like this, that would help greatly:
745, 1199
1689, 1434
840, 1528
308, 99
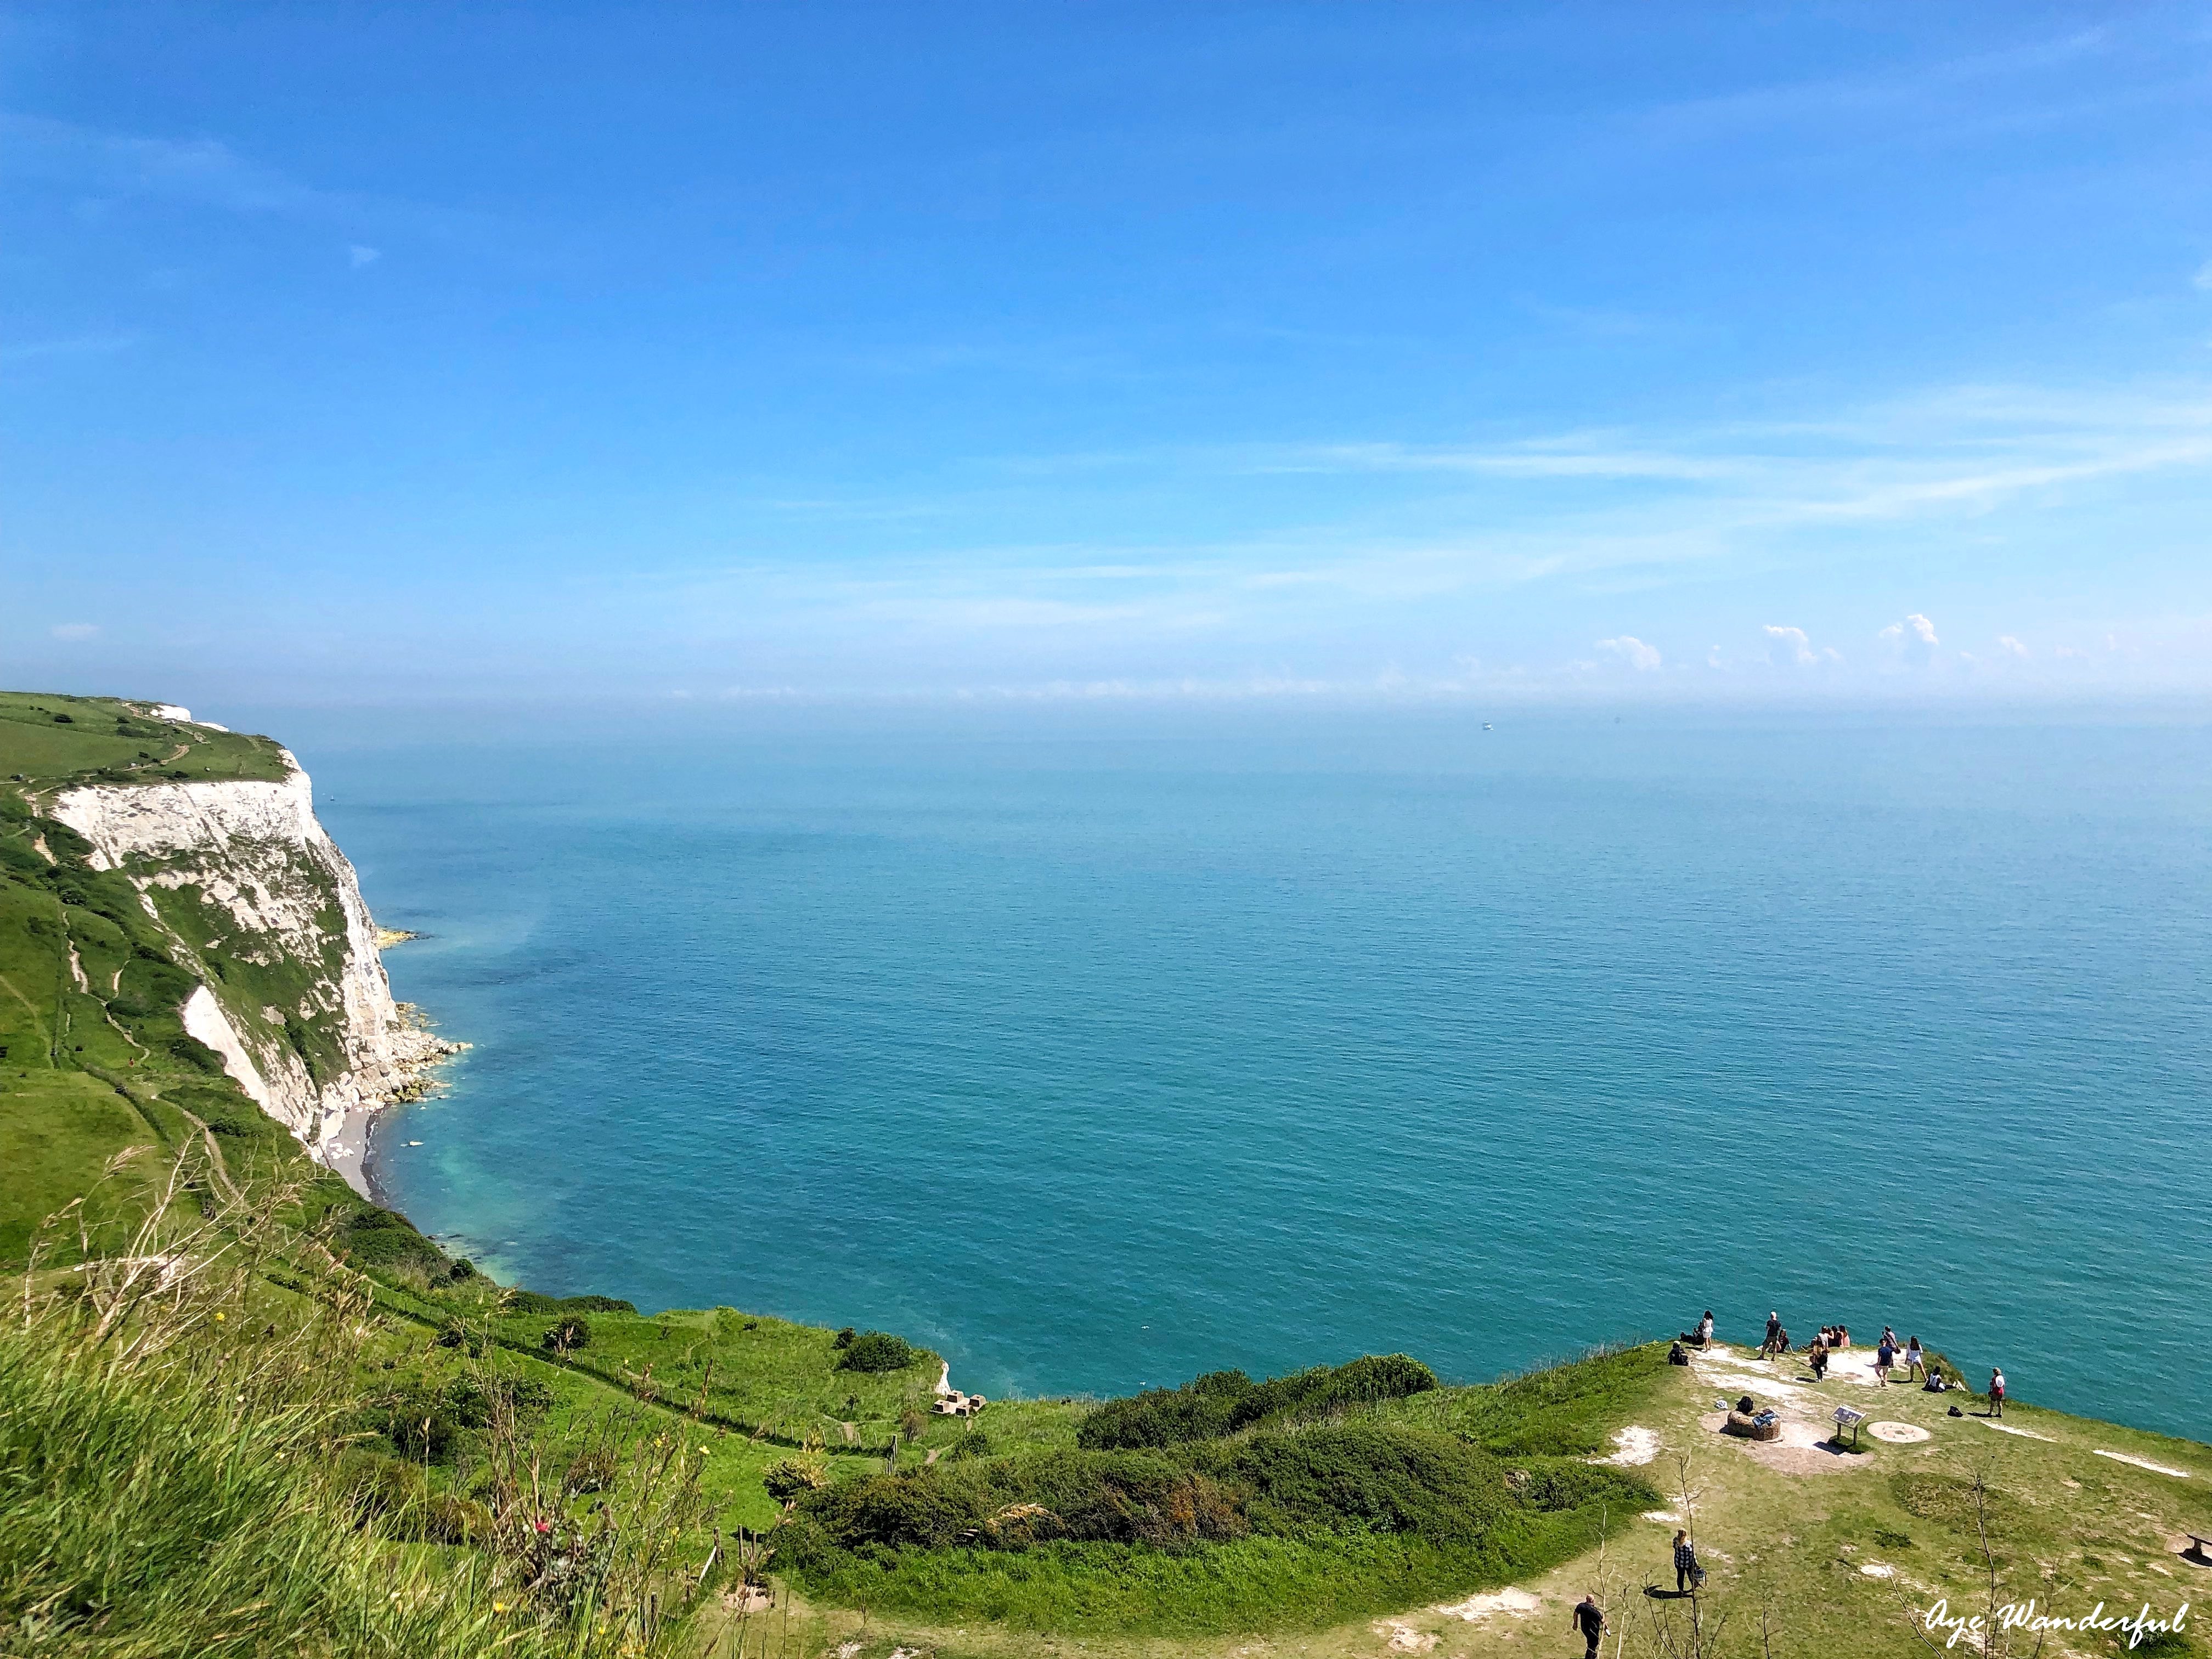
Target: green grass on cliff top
47, 739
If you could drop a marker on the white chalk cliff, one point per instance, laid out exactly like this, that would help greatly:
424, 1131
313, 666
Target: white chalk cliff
250, 863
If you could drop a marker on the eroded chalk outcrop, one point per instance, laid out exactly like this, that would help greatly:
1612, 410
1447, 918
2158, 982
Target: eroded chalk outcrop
260, 902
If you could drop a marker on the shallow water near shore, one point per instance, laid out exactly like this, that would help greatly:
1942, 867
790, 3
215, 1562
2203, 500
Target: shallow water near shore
1097, 1059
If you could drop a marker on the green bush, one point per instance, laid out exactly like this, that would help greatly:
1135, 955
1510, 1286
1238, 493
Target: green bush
791, 1478
876, 1351
1562, 1411
1223, 1402
1320, 1523
521, 1301
568, 1334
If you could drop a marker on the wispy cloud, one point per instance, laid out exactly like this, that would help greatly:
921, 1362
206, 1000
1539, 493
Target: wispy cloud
77, 630
103, 168
201, 170
80, 346
1448, 529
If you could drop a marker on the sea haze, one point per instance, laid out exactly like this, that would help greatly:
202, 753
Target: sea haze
1096, 1059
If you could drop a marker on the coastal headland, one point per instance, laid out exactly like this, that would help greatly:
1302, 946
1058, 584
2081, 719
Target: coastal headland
443, 1464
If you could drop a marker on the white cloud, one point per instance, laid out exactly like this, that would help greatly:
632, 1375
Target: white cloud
2204, 278
358, 254
74, 630
1788, 646
2012, 647
1638, 655
1913, 640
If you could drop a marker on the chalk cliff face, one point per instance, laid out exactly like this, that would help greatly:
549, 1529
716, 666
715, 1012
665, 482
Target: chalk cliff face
262, 905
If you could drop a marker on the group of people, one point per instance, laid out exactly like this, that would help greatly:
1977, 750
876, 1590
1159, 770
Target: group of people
1889, 1355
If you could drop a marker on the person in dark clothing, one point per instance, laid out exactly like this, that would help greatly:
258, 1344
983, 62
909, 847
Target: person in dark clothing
1590, 1619
1687, 1573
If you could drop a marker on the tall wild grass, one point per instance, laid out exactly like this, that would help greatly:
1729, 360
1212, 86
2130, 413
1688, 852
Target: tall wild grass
173, 1433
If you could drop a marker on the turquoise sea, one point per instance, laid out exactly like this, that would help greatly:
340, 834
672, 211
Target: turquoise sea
1098, 1056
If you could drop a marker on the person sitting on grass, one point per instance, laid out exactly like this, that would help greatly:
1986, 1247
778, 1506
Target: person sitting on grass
1589, 1619
1703, 1335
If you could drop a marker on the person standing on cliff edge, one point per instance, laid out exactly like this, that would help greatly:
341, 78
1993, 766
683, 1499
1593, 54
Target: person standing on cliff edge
1589, 1619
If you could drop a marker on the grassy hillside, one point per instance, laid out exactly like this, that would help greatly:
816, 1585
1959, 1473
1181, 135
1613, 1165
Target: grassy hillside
47, 739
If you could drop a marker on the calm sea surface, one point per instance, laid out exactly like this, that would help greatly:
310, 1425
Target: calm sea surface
1095, 1060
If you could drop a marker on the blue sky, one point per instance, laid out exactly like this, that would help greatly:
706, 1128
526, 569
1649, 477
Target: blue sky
1477, 352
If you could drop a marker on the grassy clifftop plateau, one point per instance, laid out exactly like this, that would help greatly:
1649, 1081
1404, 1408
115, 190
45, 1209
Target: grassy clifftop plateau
244, 1412
47, 739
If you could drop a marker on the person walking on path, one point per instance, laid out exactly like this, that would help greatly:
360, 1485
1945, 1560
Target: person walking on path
1589, 1619
1996, 1391
1915, 1361
1688, 1575
1885, 1357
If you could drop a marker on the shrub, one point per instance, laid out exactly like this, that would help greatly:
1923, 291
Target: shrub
973, 1443
398, 1495
420, 1421
455, 1334
592, 1469
844, 1338
521, 1301
1222, 1402
876, 1351
789, 1479
568, 1334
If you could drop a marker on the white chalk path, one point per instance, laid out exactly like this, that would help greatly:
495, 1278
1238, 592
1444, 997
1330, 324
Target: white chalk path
2143, 1463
